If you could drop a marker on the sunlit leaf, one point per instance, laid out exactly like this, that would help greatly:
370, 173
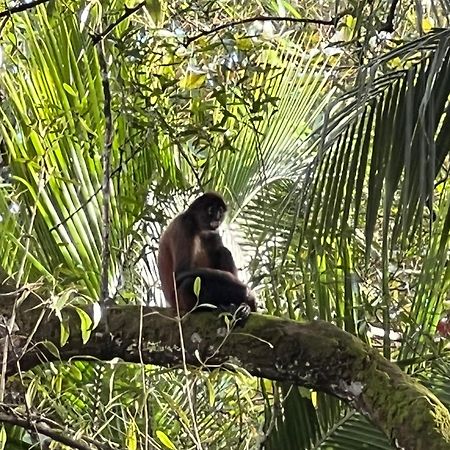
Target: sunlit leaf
3, 437
197, 286
69, 89
192, 80
131, 437
165, 439
86, 324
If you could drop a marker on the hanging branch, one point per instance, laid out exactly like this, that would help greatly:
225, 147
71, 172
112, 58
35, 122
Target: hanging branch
106, 188
328, 22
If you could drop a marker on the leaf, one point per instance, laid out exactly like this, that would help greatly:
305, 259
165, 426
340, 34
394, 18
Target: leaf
197, 286
51, 8
87, 127
52, 348
3, 437
65, 332
192, 80
131, 440
59, 301
427, 24
96, 314
69, 89
76, 373
86, 324
165, 439
350, 21
211, 392
31, 391
244, 44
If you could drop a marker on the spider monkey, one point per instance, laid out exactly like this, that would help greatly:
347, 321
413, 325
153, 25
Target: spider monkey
191, 247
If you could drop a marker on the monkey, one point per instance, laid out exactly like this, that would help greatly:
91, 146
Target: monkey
190, 248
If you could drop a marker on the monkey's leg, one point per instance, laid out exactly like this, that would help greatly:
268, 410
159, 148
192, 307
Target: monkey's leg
216, 287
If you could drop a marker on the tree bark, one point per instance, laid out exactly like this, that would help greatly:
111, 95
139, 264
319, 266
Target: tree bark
317, 355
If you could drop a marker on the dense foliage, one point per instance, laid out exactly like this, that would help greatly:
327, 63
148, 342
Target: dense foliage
327, 133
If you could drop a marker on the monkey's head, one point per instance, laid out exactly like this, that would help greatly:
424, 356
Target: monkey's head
209, 211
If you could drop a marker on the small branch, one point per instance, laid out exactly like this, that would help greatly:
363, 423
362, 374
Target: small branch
21, 7
41, 428
128, 12
389, 24
328, 22
106, 188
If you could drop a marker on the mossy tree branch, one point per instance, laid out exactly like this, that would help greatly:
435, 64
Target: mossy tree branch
316, 355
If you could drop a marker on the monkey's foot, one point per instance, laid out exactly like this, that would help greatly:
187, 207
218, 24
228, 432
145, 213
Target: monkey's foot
242, 312
239, 313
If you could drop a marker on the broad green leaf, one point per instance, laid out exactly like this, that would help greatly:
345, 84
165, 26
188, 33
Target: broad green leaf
52, 348
165, 439
60, 301
69, 89
86, 324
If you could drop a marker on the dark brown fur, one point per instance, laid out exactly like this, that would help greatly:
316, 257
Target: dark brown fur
191, 247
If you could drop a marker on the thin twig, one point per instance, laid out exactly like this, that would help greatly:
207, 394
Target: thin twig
329, 22
106, 182
21, 7
96, 38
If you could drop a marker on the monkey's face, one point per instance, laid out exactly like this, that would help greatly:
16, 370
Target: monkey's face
215, 216
209, 211
210, 217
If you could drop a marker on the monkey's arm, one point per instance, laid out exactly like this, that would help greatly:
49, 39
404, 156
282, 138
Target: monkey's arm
226, 261
220, 257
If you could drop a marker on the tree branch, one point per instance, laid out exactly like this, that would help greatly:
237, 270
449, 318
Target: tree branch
21, 7
96, 38
42, 428
317, 355
328, 22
